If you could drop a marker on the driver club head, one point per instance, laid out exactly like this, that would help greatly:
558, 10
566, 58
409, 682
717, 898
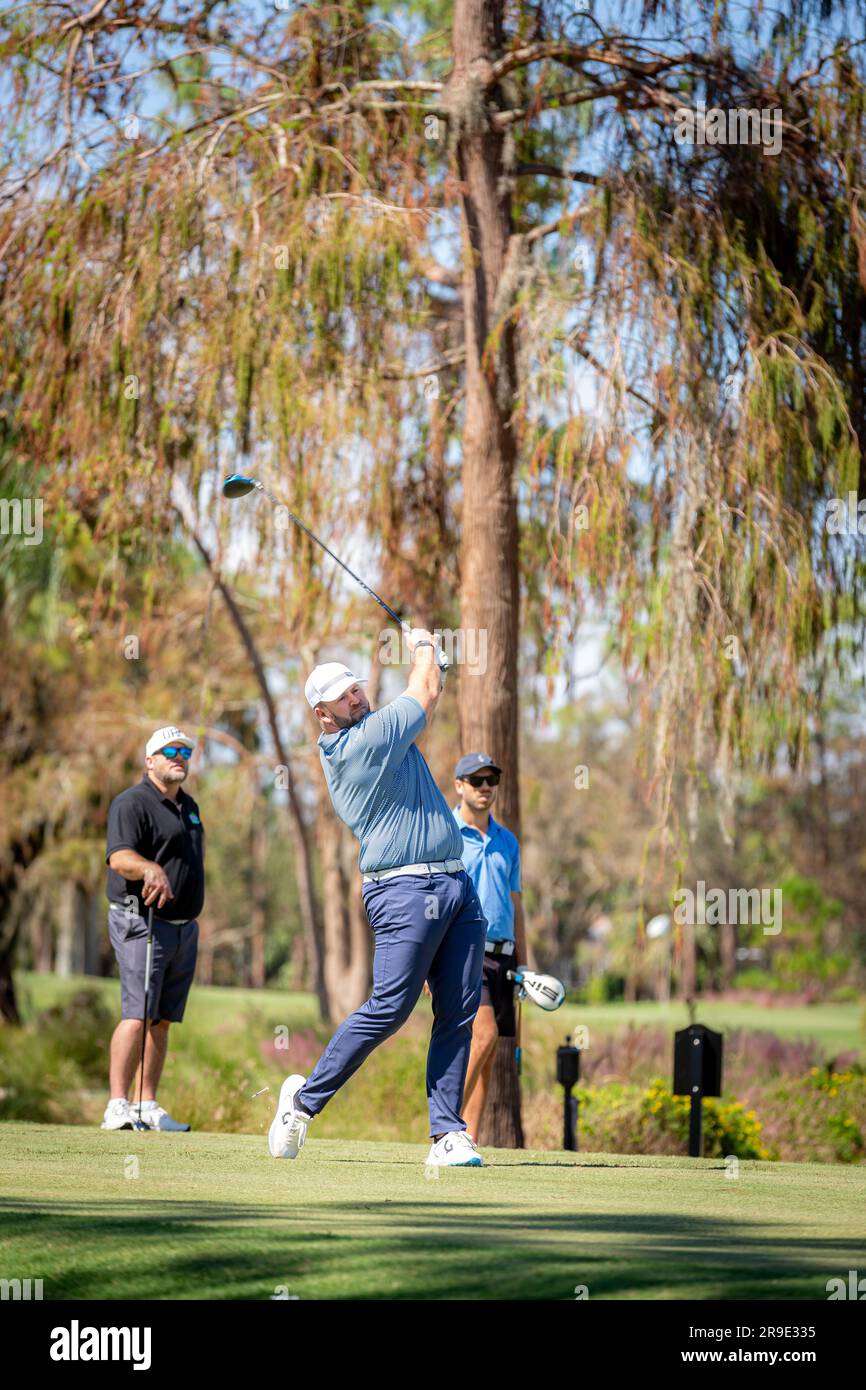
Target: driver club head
238, 485
544, 990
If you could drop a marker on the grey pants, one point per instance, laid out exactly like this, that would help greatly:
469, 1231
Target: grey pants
174, 956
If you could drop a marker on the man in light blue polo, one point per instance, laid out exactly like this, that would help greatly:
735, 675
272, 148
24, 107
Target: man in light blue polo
492, 858
421, 905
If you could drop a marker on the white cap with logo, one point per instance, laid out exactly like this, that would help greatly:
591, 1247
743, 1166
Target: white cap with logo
329, 682
165, 736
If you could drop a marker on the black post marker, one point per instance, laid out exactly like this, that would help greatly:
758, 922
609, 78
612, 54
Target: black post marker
696, 1142
567, 1073
697, 1073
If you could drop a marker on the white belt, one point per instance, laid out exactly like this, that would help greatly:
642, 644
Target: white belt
442, 866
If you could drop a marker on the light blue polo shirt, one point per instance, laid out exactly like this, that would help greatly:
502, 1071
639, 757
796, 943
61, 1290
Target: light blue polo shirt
383, 790
492, 861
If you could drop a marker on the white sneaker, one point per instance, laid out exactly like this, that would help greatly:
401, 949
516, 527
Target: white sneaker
468, 1136
117, 1115
289, 1126
455, 1150
155, 1117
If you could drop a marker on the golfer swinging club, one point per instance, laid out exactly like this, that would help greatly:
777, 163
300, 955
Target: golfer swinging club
421, 904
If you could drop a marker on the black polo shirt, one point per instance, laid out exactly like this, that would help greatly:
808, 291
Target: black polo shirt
166, 831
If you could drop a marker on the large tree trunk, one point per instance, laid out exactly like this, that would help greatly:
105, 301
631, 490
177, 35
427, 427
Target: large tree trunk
688, 962
299, 963
728, 948
501, 1124
359, 966
20, 853
728, 938
334, 906
95, 925
258, 903
8, 1002
71, 930
42, 926
347, 932
488, 556
204, 961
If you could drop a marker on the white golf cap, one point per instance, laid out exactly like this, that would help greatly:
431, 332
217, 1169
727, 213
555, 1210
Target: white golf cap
329, 682
163, 737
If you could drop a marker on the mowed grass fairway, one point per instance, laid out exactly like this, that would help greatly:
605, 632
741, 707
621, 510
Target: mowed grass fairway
212, 1216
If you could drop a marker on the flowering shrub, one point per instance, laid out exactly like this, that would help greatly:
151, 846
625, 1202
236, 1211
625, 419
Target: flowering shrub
728, 1128
629, 1119
820, 1116
816, 1117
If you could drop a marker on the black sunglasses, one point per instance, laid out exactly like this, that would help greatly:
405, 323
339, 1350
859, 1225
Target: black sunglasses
490, 780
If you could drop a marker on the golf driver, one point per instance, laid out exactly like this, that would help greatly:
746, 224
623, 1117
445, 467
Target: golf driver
544, 990
139, 1123
238, 485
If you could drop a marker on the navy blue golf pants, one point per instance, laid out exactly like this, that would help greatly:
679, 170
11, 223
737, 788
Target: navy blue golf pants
426, 927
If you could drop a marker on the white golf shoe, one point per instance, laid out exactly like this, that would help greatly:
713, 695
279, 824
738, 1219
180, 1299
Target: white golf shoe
117, 1115
155, 1117
288, 1129
455, 1150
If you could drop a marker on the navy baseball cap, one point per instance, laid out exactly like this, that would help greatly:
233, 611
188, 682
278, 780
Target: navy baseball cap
473, 762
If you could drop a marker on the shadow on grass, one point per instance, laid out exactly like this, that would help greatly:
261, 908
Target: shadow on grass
405, 1250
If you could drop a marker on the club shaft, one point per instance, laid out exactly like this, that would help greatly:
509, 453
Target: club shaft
313, 537
147, 969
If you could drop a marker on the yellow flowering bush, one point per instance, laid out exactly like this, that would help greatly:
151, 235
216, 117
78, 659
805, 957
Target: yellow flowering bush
634, 1119
818, 1115
728, 1127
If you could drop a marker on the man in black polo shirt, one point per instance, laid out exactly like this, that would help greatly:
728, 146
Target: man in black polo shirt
155, 855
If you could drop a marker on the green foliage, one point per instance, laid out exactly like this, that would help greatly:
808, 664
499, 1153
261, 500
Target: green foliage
59, 1052
80, 1029
819, 1116
823, 1114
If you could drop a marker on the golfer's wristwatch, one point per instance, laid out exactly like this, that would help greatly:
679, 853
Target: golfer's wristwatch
441, 658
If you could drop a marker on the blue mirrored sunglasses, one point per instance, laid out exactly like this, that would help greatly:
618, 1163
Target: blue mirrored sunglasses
173, 749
